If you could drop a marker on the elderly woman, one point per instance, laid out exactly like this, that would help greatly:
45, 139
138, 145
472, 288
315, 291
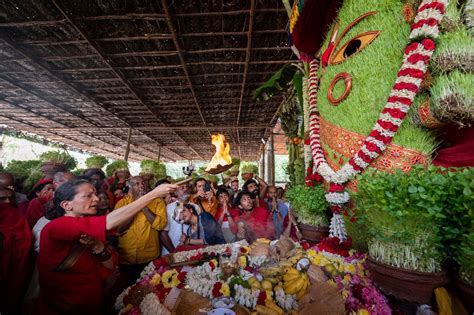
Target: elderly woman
74, 259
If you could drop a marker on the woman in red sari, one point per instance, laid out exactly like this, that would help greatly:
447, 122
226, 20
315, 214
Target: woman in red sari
74, 260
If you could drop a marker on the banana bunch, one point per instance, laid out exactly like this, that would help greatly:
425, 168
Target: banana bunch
295, 282
290, 262
270, 308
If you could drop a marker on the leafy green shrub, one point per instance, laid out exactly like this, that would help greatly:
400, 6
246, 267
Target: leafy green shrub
35, 175
115, 165
58, 157
96, 161
22, 169
153, 167
412, 217
309, 203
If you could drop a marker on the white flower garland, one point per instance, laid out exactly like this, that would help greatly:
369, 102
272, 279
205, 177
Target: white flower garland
337, 227
286, 301
151, 306
337, 197
256, 261
119, 301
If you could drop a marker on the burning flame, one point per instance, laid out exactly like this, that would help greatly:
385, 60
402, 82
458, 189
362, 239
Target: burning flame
222, 156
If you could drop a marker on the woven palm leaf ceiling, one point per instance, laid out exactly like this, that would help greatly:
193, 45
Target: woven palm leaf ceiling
86, 73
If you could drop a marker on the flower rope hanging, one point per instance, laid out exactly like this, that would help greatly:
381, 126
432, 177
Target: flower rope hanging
409, 78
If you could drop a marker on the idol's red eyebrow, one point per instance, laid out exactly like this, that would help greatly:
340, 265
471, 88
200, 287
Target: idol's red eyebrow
351, 25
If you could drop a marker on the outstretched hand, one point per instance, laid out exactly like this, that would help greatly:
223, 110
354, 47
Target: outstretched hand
163, 190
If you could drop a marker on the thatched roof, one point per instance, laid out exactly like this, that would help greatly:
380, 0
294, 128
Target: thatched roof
84, 73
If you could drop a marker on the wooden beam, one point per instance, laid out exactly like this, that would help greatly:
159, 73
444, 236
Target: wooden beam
181, 58
109, 63
246, 67
154, 16
158, 128
32, 23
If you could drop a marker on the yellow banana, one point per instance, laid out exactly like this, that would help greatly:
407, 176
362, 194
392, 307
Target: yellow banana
294, 286
272, 305
264, 310
303, 290
291, 276
291, 270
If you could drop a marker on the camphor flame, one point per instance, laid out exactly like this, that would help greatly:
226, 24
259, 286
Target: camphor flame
222, 156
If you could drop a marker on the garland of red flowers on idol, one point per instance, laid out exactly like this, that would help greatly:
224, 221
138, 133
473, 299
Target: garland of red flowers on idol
409, 78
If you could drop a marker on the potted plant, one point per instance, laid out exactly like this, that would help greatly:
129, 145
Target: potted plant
248, 170
96, 161
311, 207
458, 230
56, 161
404, 214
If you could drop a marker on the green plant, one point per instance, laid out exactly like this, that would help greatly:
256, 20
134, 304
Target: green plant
58, 157
412, 217
248, 167
309, 203
34, 176
22, 169
153, 167
116, 165
96, 161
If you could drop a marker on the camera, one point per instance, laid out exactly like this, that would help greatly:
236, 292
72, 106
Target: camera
188, 170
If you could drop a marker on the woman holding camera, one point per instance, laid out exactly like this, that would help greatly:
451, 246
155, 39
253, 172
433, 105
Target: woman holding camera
204, 196
74, 259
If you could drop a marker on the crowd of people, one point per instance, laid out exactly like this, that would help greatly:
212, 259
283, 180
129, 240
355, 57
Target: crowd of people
75, 242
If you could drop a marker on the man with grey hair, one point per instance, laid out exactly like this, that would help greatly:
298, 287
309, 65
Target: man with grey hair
60, 178
170, 235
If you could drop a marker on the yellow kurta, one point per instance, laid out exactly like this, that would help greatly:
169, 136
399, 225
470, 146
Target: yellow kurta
140, 243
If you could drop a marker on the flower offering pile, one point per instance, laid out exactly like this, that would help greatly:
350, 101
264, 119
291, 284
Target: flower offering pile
264, 278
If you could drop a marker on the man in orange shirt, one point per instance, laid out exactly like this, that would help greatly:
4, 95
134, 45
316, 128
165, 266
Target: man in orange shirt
204, 196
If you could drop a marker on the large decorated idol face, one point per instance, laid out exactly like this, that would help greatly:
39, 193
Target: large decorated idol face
362, 55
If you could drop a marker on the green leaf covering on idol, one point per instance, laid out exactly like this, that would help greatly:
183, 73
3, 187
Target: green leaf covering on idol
277, 82
96, 161
58, 157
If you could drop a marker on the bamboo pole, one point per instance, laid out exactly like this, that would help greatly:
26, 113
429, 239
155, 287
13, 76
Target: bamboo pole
129, 138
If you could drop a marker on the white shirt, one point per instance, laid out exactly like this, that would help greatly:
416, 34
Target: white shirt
37, 232
174, 228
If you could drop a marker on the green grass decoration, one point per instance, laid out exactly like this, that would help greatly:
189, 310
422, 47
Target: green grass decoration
309, 203
248, 167
153, 167
452, 98
96, 161
58, 157
119, 164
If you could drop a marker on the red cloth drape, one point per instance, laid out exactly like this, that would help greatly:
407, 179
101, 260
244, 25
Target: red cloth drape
457, 148
15, 258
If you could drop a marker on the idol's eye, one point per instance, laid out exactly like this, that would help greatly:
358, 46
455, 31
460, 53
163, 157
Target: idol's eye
353, 46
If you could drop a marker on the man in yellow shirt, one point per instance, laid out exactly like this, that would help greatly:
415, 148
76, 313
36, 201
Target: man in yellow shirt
138, 241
